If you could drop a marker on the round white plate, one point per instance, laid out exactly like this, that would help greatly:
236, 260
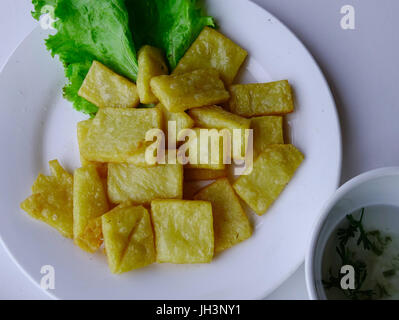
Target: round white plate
37, 125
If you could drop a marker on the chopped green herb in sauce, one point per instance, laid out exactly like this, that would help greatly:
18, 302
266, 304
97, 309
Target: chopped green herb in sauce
356, 247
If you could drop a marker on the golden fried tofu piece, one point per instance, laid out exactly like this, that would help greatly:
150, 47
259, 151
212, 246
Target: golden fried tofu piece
261, 99
183, 231
190, 90
267, 130
118, 135
203, 174
141, 185
93, 232
202, 155
272, 171
51, 199
230, 222
82, 130
213, 50
137, 159
128, 238
104, 88
151, 64
89, 202
216, 117
182, 119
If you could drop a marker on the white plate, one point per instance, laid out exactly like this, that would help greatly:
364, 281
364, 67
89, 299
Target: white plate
37, 125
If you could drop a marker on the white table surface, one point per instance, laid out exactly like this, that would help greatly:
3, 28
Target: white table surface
361, 65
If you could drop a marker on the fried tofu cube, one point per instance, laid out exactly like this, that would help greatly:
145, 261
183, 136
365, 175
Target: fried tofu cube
213, 50
183, 231
82, 130
128, 238
190, 90
151, 64
216, 117
204, 148
51, 199
272, 171
203, 174
118, 135
89, 202
267, 130
141, 185
137, 159
261, 99
230, 223
182, 120
93, 232
104, 88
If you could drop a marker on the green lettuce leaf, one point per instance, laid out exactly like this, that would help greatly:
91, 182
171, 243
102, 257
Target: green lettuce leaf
102, 30
89, 30
171, 25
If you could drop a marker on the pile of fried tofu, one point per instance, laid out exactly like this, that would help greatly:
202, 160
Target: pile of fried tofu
137, 210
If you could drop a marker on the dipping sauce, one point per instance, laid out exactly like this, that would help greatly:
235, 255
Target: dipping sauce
368, 240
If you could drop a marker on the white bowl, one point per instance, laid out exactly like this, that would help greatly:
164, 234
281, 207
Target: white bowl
376, 187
